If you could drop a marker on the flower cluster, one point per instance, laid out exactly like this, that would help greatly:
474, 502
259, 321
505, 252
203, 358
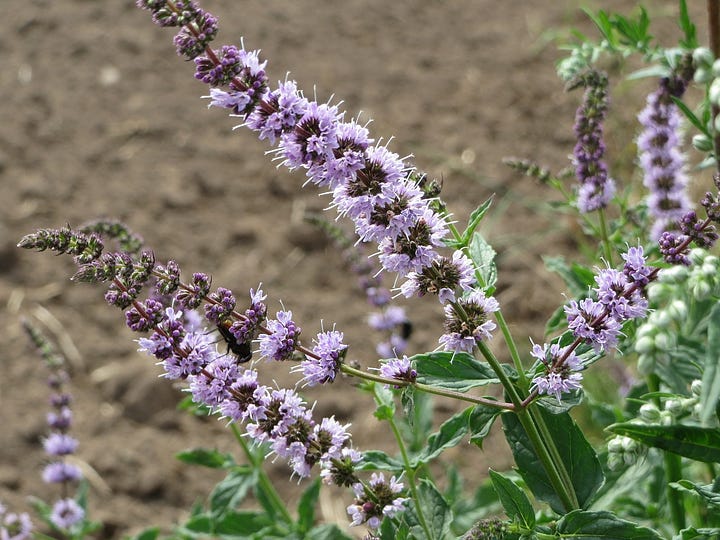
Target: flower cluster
376, 500
661, 160
620, 296
596, 187
58, 445
467, 322
389, 203
14, 526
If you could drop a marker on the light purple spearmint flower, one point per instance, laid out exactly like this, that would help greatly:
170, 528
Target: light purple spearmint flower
60, 420
279, 409
280, 343
399, 369
59, 472
442, 277
330, 352
348, 157
611, 287
396, 345
60, 444
468, 322
189, 44
66, 513
636, 268
661, 158
394, 211
383, 503
196, 350
221, 306
247, 395
14, 526
596, 188
387, 319
213, 390
557, 380
590, 321
356, 197
332, 437
246, 330
313, 139
278, 112
341, 470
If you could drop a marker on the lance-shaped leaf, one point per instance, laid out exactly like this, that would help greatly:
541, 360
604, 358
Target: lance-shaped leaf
576, 454
601, 526
700, 444
483, 255
514, 501
458, 371
711, 497
710, 393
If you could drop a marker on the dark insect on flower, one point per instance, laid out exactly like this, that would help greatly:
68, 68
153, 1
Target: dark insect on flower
242, 351
406, 329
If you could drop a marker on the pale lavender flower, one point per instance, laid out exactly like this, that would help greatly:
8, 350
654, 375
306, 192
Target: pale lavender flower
468, 323
213, 390
332, 436
611, 292
59, 472
399, 369
280, 343
14, 526
330, 351
66, 513
394, 211
589, 320
60, 444
314, 137
661, 159
341, 470
278, 112
384, 502
348, 157
556, 380
247, 396
442, 277
60, 420
387, 319
636, 266
247, 329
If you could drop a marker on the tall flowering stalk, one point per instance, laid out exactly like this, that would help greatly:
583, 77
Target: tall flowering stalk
661, 158
596, 188
66, 513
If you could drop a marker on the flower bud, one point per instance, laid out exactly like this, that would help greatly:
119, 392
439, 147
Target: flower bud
659, 292
708, 270
666, 419
702, 143
628, 444
650, 413
661, 319
630, 458
697, 256
714, 92
702, 76
677, 310
696, 387
615, 462
645, 345
663, 341
615, 446
716, 68
674, 274
674, 406
701, 290
703, 58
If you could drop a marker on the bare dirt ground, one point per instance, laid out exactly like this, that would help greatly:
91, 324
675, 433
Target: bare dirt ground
99, 118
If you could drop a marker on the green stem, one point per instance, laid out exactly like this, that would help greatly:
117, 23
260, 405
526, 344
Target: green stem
265, 485
410, 472
512, 348
551, 460
673, 468
348, 370
605, 237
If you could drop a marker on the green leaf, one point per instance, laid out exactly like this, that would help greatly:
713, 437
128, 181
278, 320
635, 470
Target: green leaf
474, 221
577, 278
378, 460
691, 533
148, 534
576, 453
700, 444
231, 490
514, 500
328, 531
436, 511
206, 458
483, 255
710, 393
385, 401
702, 128
711, 498
688, 28
602, 526
451, 432
306, 507
455, 371
242, 523
480, 422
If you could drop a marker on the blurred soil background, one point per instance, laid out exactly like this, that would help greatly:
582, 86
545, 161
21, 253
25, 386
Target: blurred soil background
100, 119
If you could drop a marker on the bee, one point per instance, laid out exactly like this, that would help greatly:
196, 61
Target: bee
242, 351
406, 329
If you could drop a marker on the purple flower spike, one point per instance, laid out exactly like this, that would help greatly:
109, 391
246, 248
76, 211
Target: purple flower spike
280, 343
59, 444
314, 137
222, 306
468, 323
661, 159
59, 472
66, 513
399, 369
589, 320
371, 509
278, 113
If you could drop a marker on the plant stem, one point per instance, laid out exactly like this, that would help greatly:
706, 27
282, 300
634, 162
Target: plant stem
410, 472
512, 348
543, 444
265, 485
605, 237
713, 11
673, 468
425, 388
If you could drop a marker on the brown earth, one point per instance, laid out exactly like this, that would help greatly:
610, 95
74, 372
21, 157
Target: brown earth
99, 118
